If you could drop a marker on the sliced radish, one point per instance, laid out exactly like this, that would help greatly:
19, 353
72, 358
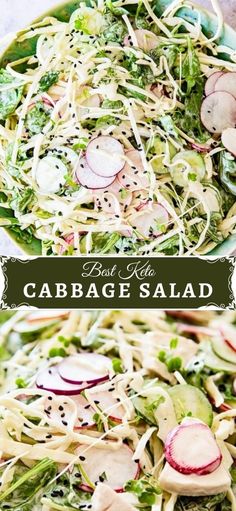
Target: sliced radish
118, 466
107, 199
224, 407
229, 140
49, 379
229, 334
234, 386
152, 221
227, 83
191, 449
85, 413
105, 156
109, 405
211, 82
61, 412
46, 315
85, 367
218, 112
87, 178
201, 148
133, 176
51, 174
146, 39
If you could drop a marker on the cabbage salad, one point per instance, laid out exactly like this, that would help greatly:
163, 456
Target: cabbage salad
114, 410
117, 135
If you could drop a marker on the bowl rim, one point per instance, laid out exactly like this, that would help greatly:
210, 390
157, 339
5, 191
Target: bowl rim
208, 22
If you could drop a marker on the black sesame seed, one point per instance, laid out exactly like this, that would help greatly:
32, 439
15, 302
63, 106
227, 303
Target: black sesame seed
82, 458
65, 423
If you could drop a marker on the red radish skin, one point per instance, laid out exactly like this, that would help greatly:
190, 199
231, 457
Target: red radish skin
227, 83
45, 316
201, 148
105, 156
229, 343
85, 368
229, 334
211, 82
190, 440
118, 465
49, 379
133, 177
224, 407
218, 112
87, 178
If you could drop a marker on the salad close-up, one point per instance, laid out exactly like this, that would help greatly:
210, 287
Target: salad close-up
117, 410
117, 130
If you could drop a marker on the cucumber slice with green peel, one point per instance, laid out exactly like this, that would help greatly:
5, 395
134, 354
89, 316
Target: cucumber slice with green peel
190, 401
158, 150
215, 363
187, 166
223, 350
142, 405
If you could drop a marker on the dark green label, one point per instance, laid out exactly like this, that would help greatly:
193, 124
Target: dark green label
120, 283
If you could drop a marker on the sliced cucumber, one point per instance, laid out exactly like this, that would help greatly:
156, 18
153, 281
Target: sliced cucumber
222, 350
214, 362
189, 400
159, 151
193, 170
142, 405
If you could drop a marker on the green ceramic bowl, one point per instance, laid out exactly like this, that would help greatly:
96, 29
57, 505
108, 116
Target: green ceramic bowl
63, 13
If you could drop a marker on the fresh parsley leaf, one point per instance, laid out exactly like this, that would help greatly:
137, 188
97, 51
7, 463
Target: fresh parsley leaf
10, 94
21, 383
37, 118
48, 80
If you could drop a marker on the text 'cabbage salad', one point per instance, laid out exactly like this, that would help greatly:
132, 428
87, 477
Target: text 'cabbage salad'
117, 410
118, 136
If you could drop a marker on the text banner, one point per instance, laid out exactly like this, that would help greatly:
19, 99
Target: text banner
121, 283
